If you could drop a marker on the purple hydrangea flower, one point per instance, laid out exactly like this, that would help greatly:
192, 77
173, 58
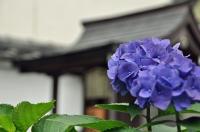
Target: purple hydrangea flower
156, 73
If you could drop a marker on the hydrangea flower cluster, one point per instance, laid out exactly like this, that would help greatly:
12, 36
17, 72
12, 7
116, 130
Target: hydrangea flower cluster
156, 73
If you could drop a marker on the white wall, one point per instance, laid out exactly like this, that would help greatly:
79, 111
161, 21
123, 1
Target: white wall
59, 20
16, 87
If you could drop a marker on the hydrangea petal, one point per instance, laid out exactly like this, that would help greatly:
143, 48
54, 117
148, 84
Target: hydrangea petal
126, 69
141, 102
161, 97
112, 72
181, 102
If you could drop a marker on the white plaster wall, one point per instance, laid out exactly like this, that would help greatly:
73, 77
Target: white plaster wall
16, 87
16, 18
59, 20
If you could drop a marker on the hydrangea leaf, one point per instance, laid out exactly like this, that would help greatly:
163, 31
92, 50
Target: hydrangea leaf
26, 114
192, 123
119, 107
123, 130
164, 128
134, 111
2, 130
130, 109
6, 109
64, 123
169, 111
194, 109
6, 123
72, 129
155, 123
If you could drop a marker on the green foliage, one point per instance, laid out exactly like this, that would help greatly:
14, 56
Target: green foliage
21, 117
192, 124
6, 123
63, 123
194, 109
163, 128
6, 109
130, 109
25, 114
120, 107
123, 130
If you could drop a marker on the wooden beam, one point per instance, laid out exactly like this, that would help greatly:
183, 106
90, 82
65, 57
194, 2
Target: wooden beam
66, 63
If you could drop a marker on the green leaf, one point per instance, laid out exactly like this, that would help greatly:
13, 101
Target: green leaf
194, 109
169, 111
119, 107
164, 128
154, 123
64, 123
25, 114
6, 109
131, 109
72, 129
192, 123
123, 130
6, 123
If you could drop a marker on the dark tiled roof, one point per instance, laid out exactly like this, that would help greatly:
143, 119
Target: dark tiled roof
153, 24
159, 22
16, 49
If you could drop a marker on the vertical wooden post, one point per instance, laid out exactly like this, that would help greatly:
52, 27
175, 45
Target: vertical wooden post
84, 92
55, 91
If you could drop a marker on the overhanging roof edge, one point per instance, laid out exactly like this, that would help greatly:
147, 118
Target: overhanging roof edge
166, 7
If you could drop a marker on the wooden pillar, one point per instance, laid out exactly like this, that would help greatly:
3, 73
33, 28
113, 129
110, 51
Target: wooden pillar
83, 81
55, 80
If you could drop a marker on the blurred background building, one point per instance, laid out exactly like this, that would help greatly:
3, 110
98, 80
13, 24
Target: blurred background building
45, 35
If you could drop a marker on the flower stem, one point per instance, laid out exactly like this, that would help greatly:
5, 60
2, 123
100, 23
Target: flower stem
178, 122
148, 118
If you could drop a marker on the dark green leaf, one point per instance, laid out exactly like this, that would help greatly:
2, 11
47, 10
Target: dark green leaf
154, 123
120, 107
131, 109
6, 109
123, 130
192, 123
26, 114
169, 111
64, 123
72, 129
194, 109
6, 123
